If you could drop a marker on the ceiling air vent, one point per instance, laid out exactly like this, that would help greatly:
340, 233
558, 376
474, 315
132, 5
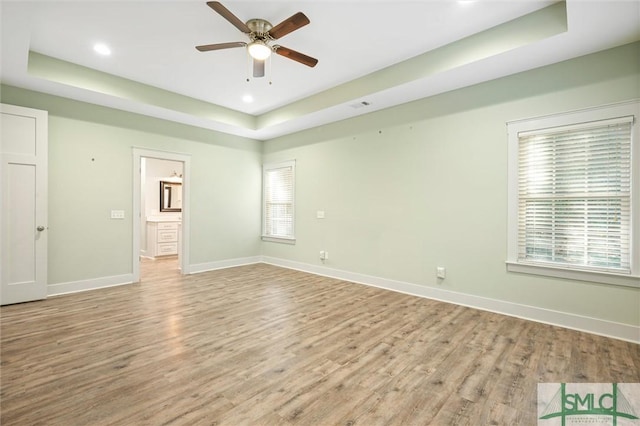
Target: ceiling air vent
360, 104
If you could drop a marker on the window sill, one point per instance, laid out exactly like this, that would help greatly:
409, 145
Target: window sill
625, 280
280, 240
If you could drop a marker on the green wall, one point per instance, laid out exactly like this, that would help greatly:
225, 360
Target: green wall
404, 190
91, 173
424, 184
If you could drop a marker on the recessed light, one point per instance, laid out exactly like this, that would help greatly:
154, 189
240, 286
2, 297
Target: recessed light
102, 49
247, 99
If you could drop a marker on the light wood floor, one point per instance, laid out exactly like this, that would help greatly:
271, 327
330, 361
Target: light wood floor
261, 345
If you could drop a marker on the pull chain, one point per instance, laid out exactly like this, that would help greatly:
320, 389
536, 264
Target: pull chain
249, 65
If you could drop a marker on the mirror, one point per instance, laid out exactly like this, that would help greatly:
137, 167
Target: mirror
170, 196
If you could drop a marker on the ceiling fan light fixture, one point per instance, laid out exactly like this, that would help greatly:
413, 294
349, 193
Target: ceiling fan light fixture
261, 34
259, 50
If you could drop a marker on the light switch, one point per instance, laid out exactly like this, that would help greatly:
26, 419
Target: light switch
117, 214
320, 214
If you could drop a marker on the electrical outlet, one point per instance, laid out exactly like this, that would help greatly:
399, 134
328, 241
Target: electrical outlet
117, 214
324, 255
441, 272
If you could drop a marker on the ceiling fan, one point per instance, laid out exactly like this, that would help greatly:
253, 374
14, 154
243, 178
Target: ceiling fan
261, 34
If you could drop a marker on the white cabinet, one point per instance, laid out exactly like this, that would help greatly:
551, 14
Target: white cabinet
162, 238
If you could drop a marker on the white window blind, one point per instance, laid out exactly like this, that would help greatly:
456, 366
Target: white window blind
278, 195
574, 196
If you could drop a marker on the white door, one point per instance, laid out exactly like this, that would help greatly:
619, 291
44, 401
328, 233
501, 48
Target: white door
23, 205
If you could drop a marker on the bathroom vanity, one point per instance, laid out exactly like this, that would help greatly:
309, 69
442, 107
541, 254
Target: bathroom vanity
163, 237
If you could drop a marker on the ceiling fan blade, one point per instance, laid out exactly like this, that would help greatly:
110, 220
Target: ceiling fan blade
226, 14
219, 46
296, 56
258, 68
290, 24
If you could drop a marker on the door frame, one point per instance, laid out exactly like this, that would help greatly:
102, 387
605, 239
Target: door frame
185, 159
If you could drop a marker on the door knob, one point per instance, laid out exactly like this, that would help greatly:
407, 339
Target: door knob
40, 228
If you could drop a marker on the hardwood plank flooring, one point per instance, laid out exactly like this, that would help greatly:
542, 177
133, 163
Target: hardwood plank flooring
262, 345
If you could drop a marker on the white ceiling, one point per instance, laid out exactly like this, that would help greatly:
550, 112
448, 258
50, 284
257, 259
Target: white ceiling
153, 43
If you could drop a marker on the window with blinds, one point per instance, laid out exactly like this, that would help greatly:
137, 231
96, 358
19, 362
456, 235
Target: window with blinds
574, 195
278, 201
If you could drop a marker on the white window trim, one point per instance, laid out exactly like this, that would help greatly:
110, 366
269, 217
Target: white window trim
269, 238
280, 240
514, 128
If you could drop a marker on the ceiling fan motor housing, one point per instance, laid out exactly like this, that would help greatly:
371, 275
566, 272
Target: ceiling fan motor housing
259, 28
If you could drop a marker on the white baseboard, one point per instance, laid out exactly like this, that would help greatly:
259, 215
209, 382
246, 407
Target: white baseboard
221, 264
91, 284
597, 326
103, 282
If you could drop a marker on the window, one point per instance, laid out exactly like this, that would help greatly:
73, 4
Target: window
278, 202
573, 195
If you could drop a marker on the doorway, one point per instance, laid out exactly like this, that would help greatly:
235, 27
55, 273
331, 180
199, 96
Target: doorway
160, 230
